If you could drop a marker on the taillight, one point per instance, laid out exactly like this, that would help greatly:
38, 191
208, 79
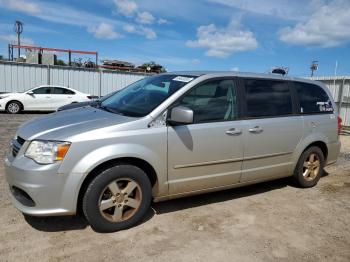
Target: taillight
340, 124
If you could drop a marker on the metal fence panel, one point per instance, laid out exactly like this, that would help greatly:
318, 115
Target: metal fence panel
18, 77
339, 87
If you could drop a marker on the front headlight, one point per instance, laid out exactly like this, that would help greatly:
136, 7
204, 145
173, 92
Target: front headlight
1, 97
47, 152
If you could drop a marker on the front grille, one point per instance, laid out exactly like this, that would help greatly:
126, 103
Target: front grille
16, 145
20, 140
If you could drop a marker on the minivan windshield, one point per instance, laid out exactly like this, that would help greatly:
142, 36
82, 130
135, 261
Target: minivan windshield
143, 96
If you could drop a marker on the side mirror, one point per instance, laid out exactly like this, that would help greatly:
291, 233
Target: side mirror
180, 115
30, 93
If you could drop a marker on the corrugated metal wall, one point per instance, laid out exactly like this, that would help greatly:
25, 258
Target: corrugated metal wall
340, 89
18, 77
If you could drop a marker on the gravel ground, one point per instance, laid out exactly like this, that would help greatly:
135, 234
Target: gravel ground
272, 221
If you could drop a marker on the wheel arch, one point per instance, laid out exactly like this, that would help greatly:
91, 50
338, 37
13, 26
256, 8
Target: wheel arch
14, 100
140, 163
322, 145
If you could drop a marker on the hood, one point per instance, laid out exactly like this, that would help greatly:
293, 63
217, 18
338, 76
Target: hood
64, 124
8, 94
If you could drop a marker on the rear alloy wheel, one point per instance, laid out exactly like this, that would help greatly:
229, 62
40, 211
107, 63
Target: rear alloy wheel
309, 168
13, 107
117, 198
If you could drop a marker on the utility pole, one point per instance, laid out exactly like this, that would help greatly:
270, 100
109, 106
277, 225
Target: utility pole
18, 29
313, 67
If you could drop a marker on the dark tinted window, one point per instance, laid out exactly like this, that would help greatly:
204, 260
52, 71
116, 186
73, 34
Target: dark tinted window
313, 99
62, 91
267, 98
212, 101
42, 90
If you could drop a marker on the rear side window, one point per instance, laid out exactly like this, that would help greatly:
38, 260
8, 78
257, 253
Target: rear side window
62, 91
267, 98
313, 99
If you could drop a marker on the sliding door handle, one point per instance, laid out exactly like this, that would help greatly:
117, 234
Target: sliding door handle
256, 130
233, 132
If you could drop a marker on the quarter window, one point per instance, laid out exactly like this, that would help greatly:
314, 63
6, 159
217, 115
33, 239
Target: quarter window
313, 99
62, 91
265, 98
212, 101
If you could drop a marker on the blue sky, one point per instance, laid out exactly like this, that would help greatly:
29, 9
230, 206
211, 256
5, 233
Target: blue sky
244, 35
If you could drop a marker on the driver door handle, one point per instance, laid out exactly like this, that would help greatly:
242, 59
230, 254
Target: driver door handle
233, 132
256, 130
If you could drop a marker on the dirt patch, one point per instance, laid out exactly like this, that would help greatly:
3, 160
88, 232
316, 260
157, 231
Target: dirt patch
271, 221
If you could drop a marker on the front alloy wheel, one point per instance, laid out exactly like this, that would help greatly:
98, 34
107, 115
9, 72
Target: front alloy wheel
120, 200
117, 198
13, 107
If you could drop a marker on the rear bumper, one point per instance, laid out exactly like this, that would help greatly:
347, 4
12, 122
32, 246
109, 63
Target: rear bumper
333, 152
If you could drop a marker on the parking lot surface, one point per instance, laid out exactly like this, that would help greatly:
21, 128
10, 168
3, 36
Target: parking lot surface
272, 221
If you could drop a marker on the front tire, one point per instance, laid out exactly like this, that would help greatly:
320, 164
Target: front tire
117, 199
309, 168
14, 107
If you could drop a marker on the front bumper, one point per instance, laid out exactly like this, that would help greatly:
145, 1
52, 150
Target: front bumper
51, 192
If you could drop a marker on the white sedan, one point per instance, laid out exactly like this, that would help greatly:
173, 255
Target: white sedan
42, 98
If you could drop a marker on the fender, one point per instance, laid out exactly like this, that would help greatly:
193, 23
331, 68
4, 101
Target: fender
109, 152
304, 143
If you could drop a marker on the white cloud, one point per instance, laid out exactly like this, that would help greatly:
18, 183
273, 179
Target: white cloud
126, 7
129, 28
140, 30
145, 18
148, 33
329, 26
21, 6
195, 61
222, 42
12, 39
104, 31
234, 69
162, 21
60, 13
284, 9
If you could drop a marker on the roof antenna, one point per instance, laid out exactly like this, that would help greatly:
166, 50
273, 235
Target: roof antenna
280, 70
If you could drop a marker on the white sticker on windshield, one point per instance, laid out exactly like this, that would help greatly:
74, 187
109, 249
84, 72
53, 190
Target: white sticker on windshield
183, 79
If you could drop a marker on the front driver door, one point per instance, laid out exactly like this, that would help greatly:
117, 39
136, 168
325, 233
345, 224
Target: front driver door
209, 152
39, 99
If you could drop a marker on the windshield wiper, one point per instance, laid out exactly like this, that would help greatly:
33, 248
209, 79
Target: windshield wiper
108, 109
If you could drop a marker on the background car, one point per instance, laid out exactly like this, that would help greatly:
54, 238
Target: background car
94, 101
42, 98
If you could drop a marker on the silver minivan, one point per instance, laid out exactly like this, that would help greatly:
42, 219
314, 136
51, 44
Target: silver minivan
171, 135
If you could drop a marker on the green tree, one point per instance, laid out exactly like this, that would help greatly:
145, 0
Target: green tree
61, 62
153, 67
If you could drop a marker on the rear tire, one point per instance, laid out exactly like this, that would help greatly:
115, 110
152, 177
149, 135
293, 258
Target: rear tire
14, 107
309, 168
117, 199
